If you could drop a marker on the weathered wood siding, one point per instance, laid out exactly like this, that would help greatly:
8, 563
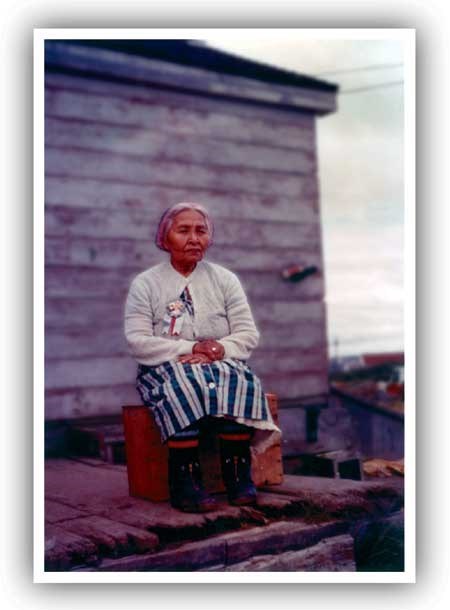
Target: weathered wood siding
117, 155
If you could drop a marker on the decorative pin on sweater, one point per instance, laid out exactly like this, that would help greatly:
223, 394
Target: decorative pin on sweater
173, 320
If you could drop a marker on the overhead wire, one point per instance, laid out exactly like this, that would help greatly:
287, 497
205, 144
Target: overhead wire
359, 69
364, 69
369, 87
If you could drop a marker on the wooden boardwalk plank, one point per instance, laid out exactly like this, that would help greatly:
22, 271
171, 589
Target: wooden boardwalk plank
56, 512
343, 497
229, 548
329, 555
99, 519
84, 487
113, 538
64, 550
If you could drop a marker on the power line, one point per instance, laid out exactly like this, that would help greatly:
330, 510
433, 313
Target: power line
361, 69
368, 339
369, 87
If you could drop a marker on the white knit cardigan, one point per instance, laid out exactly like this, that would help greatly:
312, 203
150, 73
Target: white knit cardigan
221, 312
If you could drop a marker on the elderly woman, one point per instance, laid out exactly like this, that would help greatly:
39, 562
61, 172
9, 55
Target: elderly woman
189, 326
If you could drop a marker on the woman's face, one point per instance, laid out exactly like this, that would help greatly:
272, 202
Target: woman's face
188, 237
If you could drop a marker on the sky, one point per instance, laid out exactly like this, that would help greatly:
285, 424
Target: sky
360, 150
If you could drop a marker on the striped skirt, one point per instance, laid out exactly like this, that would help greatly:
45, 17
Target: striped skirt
180, 394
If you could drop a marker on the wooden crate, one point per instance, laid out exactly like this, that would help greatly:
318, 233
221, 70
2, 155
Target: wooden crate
147, 457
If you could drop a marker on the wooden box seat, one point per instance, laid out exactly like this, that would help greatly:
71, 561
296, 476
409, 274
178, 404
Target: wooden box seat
147, 457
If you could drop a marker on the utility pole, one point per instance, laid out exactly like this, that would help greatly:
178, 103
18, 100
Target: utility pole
336, 348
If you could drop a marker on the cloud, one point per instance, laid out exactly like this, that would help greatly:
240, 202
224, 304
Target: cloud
360, 151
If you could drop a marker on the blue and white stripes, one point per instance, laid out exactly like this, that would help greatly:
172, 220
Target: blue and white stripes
181, 394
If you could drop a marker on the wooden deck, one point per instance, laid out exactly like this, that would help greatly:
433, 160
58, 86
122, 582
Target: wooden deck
305, 524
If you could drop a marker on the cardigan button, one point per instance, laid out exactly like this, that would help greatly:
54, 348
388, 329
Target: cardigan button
211, 385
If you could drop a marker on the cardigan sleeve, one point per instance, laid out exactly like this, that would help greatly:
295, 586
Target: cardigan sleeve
144, 345
244, 335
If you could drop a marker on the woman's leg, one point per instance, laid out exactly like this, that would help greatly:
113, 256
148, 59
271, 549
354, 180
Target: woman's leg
236, 462
185, 479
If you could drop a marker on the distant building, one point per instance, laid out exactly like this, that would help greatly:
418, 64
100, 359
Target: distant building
394, 360
344, 364
383, 358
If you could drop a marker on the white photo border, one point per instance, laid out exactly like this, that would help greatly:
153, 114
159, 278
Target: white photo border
407, 37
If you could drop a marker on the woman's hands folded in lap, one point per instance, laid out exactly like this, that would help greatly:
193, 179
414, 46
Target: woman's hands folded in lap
210, 348
204, 352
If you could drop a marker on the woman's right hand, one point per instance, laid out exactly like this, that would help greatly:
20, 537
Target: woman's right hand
194, 359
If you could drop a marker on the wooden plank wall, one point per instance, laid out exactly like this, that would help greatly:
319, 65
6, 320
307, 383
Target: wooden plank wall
116, 157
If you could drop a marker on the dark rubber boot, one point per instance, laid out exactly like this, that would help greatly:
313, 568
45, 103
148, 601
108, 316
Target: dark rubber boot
236, 469
185, 482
